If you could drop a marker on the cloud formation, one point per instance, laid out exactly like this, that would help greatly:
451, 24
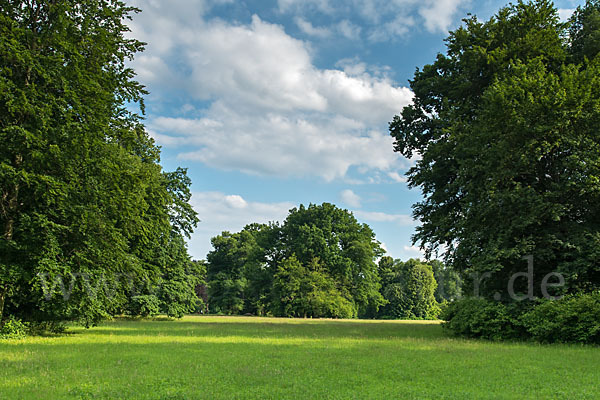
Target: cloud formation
229, 212
350, 198
266, 108
386, 19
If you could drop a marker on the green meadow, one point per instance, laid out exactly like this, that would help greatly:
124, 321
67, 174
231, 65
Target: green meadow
267, 358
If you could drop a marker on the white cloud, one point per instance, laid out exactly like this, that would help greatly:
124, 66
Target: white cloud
400, 26
397, 177
323, 6
308, 28
565, 13
384, 247
350, 198
271, 111
439, 14
235, 201
375, 216
349, 30
413, 252
220, 212
386, 19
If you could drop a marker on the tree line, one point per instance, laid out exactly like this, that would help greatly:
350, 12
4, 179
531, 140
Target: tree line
84, 202
320, 262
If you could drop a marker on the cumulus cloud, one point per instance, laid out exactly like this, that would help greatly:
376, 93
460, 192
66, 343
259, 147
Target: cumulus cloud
268, 109
229, 212
439, 14
350, 198
413, 252
397, 177
308, 28
375, 216
386, 19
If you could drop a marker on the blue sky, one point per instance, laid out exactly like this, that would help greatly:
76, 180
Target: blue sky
270, 104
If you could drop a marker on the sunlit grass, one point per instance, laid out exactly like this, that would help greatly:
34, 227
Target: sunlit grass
237, 357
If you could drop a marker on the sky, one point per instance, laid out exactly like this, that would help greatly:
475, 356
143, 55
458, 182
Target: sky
275, 103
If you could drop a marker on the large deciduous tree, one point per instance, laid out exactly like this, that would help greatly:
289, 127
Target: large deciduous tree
507, 127
83, 200
319, 262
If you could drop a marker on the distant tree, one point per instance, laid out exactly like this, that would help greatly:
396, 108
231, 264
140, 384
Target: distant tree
308, 291
225, 274
506, 125
241, 268
409, 288
180, 277
448, 280
584, 32
327, 243
346, 249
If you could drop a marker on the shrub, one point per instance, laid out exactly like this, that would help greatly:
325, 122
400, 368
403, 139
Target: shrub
175, 310
481, 318
13, 328
44, 327
572, 319
144, 305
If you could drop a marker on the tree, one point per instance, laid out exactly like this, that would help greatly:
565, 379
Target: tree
225, 273
346, 249
506, 124
409, 288
448, 280
308, 291
85, 209
326, 243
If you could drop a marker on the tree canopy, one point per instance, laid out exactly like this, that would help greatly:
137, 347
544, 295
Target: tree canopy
506, 124
319, 262
87, 216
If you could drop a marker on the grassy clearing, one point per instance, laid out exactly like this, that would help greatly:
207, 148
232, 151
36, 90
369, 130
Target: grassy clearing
237, 357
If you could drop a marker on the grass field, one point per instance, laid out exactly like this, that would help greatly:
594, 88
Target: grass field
237, 357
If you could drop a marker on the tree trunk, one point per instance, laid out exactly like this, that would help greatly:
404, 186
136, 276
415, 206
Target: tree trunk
2, 299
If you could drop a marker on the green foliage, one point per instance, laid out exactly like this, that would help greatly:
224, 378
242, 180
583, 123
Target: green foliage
481, 318
409, 288
300, 291
84, 204
180, 277
37, 328
345, 248
572, 319
321, 262
13, 328
227, 280
584, 31
449, 282
144, 306
506, 124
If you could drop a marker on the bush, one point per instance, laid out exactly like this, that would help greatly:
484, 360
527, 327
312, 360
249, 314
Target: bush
481, 318
572, 319
45, 327
13, 328
144, 306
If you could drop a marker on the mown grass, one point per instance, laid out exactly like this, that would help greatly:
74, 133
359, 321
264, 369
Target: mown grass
238, 358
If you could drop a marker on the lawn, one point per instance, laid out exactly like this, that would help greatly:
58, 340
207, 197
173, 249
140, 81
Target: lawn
264, 358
